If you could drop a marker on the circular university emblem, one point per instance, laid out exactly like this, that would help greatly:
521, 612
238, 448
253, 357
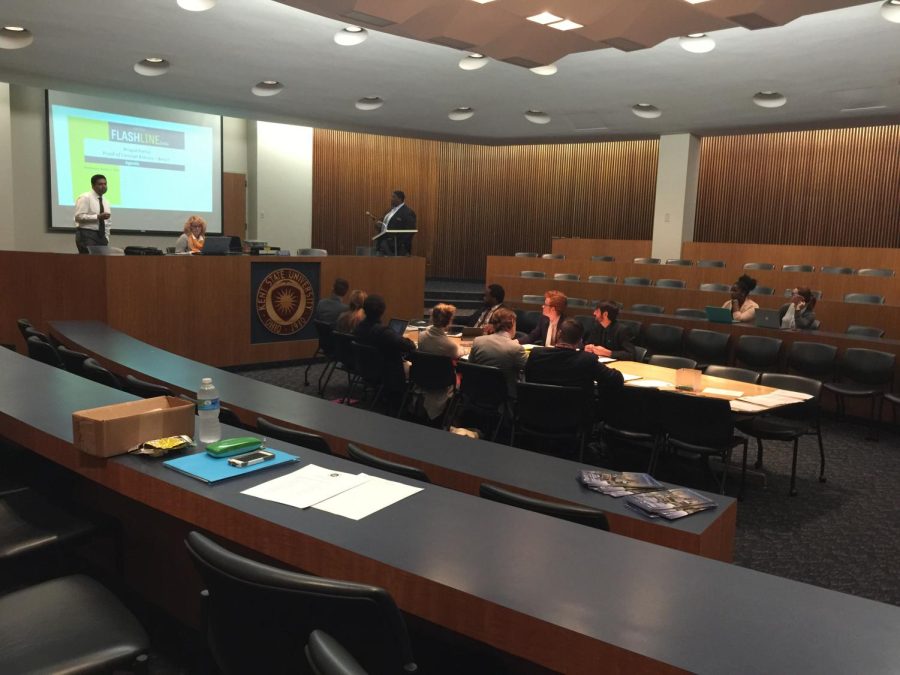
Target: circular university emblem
284, 301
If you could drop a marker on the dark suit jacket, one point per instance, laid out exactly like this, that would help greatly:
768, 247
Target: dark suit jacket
404, 219
616, 337
391, 346
477, 315
539, 335
569, 368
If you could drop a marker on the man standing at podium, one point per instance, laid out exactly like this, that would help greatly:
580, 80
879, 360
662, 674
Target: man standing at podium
91, 216
399, 217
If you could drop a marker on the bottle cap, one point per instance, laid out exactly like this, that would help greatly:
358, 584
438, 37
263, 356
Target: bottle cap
206, 380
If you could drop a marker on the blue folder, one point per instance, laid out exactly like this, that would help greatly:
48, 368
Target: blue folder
210, 469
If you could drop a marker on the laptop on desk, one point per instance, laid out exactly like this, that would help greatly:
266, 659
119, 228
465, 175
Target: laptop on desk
767, 318
398, 326
719, 315
216, 246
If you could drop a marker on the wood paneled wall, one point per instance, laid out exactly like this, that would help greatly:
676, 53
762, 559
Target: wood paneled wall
474, 200
830, 187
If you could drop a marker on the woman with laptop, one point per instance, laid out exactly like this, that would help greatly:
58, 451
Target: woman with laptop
743, 309
194, 236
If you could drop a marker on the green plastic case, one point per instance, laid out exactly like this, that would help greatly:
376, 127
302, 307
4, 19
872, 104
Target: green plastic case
229, 447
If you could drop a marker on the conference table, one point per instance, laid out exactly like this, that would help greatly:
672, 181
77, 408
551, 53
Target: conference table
449, 460
570, 598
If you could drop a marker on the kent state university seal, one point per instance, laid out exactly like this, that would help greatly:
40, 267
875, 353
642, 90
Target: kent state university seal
284, 301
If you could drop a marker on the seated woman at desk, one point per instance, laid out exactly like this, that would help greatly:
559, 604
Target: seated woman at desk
348, 321
194, 236
742, 307
800, 311
434, 340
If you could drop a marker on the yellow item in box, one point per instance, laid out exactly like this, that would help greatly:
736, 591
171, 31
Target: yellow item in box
116, 429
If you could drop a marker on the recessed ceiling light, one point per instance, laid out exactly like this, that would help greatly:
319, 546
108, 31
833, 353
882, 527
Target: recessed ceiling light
267, 88
152, 66
696, 2
537, 117
769, 99
566, 25
697, 43
351, 35
890, 10
544, 70
460, 114
646, 110
482, 2
196, 5
544, 18
369, 103
15, 37
473, 62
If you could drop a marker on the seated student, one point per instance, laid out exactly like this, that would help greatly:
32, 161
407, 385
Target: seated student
800, 311
568, 367
500, 348
742, 307
194, 236
434, 340
493, 300
553, 313
392, 347
349, 320
329, 309
607, 336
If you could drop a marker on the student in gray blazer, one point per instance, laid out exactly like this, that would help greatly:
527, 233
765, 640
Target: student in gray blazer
500, 348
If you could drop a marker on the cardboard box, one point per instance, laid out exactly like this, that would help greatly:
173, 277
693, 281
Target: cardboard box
116, 429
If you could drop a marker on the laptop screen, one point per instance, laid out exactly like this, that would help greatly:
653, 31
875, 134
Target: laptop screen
398, 326
216, 245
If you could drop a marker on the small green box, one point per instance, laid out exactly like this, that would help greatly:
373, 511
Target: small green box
229, 447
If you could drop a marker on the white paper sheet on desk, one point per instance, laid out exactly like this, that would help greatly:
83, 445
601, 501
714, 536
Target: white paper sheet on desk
605, 359
656, 384
771, 400
307, 486
799, 395
723, 392
363, 500
630, 378
743, 406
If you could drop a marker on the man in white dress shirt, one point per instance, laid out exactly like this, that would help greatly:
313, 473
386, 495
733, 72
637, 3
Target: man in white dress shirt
92, 216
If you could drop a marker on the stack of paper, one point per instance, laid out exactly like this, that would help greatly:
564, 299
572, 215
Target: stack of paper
343, 494
654, 384
776, 398
670, 504
618, 484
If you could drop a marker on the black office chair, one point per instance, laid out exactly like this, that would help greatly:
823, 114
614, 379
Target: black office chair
553, 256
649, 309
345, 361
295, 436
428, 372
710, 263
759, 266
325, 347
679, 415
863, 373
732, 373
532, 274
526, 254
636, 281
43, 352
552, 412
359, 455
68, 625
647, 261
758, 351
629, 419
707, 346
829, 269
875, 272
145, 389
640, 354
666, 361
565, 276
663, 338
894, 400
690, 313
812, 359
257, 615
482, 390
603, 258
72, 360
798, 268
22, 325
326, 656
683, 262
583, 515
94, 371
634, 327
670, 283
601, 279
864, 298
370, 371
31, 331
865, 331
788, 423
714, 287
527, 321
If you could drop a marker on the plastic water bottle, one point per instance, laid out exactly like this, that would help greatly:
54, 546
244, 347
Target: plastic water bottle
208, 411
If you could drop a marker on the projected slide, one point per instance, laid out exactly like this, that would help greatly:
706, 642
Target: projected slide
159, 170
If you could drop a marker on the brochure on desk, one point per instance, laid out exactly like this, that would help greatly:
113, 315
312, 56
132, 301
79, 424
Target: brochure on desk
209, 469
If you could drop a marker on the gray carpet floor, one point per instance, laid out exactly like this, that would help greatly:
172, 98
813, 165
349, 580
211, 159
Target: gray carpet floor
841, 535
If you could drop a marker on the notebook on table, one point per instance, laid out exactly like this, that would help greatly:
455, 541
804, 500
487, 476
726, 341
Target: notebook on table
719, 315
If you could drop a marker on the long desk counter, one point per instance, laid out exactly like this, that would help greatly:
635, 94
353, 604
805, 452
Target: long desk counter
567, 597
201, 307
448, 460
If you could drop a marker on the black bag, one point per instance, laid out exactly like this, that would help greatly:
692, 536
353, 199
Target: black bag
142, 250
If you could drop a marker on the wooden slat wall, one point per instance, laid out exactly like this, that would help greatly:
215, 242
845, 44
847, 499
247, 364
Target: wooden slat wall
473, 200
830, 187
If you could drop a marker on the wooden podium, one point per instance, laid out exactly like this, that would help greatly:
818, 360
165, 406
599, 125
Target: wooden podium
392, 236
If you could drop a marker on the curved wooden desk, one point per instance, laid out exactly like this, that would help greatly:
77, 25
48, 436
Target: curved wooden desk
567, 597
449, 460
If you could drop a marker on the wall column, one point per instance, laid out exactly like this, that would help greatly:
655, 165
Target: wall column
7, 230
676, 194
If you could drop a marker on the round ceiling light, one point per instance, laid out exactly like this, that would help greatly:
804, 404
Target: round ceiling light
152, 66
890, 10
473, 62
196, 5
15, 37
544, 70
351, 35
460, 114
646, 110
697, 43
769, 99
369, 103
267, 88
537, 117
